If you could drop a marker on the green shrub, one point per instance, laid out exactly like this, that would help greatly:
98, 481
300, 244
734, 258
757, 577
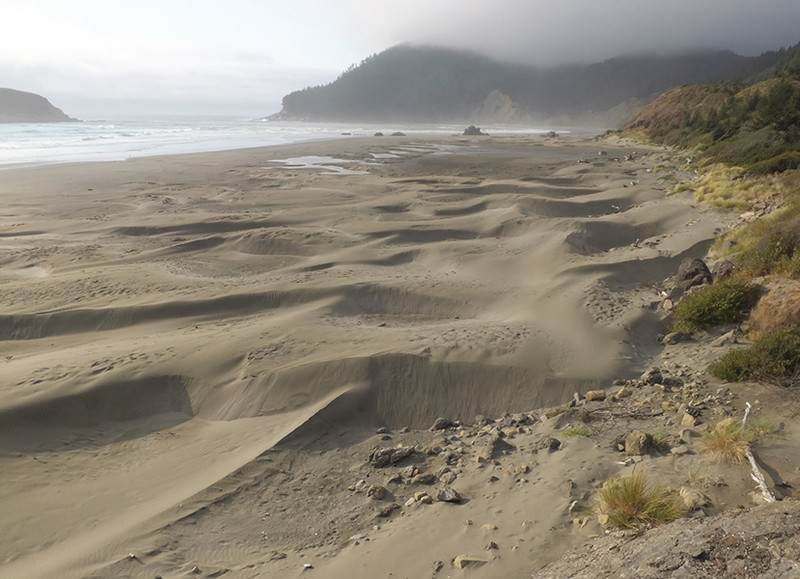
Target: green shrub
778, 250
779, 164
574, 431
632, 501
728, 301
775, 357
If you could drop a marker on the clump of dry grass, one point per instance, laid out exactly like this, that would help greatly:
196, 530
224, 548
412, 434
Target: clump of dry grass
723, 186
779, 308
729, 439
633, 501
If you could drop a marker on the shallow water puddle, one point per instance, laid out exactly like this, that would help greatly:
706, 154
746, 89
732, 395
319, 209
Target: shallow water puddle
329, 165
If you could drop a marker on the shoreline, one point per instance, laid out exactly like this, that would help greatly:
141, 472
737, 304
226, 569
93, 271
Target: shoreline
209, 305
125, 139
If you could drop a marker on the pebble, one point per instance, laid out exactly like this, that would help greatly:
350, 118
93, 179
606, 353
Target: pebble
679, 450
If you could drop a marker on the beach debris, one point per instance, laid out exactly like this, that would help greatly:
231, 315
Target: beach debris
623, 392
756, 473
381, 457
462, 561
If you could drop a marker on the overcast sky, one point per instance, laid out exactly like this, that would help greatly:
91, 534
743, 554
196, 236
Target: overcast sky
99, 58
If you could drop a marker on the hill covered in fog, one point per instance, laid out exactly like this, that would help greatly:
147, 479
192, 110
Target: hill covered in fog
426, 84
17, 106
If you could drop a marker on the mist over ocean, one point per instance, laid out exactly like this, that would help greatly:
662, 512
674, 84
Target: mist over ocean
116, 140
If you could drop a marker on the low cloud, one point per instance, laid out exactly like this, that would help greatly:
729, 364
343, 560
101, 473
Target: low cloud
543, 32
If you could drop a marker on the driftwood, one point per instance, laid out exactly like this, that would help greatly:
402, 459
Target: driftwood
756, 473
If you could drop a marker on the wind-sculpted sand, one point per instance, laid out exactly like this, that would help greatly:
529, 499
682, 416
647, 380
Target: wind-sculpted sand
165, 322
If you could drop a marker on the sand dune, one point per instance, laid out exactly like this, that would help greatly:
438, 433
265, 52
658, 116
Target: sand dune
167, 321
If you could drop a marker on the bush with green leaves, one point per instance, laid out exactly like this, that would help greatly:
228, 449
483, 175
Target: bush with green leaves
726, 302
778, 250
775, 357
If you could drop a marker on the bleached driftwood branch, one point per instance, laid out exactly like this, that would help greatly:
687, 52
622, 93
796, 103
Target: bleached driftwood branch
756, 473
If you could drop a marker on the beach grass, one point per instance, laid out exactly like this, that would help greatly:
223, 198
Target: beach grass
729, 439
633, 501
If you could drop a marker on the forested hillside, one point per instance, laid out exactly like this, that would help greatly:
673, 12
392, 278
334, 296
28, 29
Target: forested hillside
754, 125
427, 84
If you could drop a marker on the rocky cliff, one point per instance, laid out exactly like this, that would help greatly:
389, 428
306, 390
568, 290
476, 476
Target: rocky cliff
24, 107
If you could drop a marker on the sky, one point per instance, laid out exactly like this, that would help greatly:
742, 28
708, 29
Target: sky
104, 58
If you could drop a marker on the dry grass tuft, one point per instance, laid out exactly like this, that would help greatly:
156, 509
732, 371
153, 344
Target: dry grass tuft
724, 187
633, 501
729, 439
780, 308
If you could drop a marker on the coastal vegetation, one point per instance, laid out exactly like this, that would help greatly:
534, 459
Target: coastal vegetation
576, 431
429, 84
725, 302
744, 138
774, 357
634, 500
731, 439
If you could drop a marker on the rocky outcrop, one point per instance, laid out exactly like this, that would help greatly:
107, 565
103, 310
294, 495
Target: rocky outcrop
473, 131
25, 107
737, 543
498, 107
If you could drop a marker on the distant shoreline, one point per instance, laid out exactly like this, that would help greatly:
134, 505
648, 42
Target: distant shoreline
35, 144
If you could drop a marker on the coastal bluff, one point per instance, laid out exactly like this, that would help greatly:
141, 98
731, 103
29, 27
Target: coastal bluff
25, 107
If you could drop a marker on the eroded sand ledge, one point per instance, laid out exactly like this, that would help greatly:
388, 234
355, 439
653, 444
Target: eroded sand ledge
166, 321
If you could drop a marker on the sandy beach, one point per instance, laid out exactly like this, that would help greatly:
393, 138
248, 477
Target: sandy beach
200, 351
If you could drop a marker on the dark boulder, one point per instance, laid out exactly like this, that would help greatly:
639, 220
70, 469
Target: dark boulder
473, 131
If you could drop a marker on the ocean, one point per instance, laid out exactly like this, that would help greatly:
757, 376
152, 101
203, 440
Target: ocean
25, 144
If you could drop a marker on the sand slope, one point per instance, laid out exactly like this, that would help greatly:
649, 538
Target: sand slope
166, 321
